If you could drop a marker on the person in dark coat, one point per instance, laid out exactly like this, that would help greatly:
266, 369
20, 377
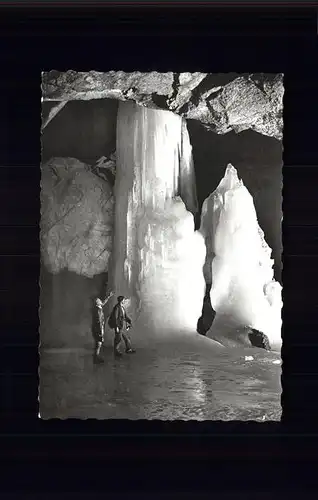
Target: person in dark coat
120, 321
99, 326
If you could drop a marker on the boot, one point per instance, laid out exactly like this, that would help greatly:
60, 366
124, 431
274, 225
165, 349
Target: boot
130, 350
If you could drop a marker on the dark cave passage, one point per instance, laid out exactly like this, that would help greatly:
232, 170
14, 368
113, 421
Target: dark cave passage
67, 307
85, 130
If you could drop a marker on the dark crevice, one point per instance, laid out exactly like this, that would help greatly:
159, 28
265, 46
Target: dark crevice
210, 82
159, 100
179, 176
175, 87
208, 314
213, 95
197, 220
184, 108
105, 174
258, 339
198, 91
213, 112
127, 93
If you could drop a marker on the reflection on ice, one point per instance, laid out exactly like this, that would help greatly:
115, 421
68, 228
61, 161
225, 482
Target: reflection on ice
192, 379
196, 387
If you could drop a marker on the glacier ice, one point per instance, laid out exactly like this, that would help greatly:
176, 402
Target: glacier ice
238, 263
157, 256
171, 279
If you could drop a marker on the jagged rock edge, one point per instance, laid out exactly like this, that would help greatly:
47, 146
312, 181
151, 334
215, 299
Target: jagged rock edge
168, 99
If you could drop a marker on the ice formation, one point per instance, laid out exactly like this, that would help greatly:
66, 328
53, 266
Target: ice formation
238, 262
157, 256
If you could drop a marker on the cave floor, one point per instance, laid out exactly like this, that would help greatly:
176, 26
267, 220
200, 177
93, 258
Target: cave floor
165, 381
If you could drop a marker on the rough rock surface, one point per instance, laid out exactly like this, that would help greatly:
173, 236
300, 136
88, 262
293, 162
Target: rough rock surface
76, 218
106, 168
259, 339
221, 102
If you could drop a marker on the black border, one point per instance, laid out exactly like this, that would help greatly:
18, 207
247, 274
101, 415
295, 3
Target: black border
259, 40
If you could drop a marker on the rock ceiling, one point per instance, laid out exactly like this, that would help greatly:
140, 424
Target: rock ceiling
221, 102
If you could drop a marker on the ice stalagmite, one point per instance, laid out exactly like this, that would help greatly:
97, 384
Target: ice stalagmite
239, 264
157, 255
187, 182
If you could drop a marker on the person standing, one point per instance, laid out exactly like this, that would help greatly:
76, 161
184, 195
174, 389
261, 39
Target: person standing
99, 327
119, 321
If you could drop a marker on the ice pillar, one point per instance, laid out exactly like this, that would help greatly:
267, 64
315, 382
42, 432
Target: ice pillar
239, 263
157, 256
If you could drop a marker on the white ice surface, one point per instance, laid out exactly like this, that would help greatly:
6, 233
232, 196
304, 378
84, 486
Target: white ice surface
239, 264
157, 257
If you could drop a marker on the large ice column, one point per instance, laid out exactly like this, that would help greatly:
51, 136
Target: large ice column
238, 262
158, 257
171, 278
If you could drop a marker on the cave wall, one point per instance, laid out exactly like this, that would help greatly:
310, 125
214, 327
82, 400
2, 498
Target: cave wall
85, 130
258, 160
67, 300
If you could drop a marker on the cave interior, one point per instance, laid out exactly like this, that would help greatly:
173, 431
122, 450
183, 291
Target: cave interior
86, 130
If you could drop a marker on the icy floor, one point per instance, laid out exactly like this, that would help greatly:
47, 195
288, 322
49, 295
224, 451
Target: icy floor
188, 381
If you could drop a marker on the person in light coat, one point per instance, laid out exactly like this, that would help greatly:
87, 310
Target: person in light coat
99, 326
